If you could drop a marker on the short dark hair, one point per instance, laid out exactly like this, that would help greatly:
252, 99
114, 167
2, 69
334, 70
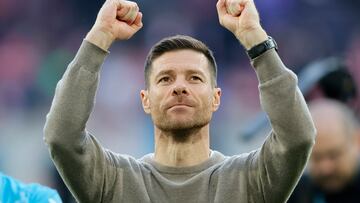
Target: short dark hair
179, 42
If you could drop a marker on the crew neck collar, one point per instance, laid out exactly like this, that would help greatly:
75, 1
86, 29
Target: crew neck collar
215, 158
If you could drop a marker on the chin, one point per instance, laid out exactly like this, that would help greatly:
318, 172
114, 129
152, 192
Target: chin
183, 121
176, 125
332, 187
182, 124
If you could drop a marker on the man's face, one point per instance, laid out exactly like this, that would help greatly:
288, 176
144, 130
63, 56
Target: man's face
334, 157
180, 95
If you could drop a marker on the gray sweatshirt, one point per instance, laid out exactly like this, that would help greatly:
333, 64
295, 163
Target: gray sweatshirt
95, 174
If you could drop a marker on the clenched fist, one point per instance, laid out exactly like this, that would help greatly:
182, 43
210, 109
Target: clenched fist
116, 20
242, 19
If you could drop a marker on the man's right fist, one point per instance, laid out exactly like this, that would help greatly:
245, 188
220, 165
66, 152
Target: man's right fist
116, 20
242, 19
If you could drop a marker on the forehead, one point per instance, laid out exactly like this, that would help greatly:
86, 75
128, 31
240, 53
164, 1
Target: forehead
181, 60
330, 137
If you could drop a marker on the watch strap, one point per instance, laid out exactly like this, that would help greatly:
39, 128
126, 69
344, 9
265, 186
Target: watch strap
259, 49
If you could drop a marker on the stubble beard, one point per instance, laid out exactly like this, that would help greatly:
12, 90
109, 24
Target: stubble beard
181, 130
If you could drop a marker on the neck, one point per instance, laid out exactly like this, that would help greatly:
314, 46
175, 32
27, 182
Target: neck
182, 148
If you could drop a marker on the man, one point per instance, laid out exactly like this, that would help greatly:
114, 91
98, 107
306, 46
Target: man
334, 171
181, 94
12, 190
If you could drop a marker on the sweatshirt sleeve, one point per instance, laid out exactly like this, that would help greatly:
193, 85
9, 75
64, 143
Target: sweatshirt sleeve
277, 166
79, 158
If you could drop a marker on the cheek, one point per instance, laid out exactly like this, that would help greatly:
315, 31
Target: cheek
347, 162
154, 102
202, 90
156, 99
202, 97
207, 102
313, 166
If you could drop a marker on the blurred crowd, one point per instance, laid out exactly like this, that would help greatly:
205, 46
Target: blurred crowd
39, 38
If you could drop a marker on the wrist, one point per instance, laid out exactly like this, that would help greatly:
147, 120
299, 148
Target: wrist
261, 48
100, 38
252, 38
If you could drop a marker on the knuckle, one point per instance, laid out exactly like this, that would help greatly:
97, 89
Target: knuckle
221, 21
133, 4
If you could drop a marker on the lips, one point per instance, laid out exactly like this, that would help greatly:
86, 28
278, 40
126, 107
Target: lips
179, 101
179, 105
183, 103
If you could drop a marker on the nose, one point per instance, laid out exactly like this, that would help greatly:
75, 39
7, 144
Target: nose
180, 90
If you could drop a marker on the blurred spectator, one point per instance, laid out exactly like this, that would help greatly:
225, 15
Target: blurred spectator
334, 170
12, 190
353, 61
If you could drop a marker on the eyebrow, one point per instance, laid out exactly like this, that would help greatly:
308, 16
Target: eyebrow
164, 72
171, 72
196, 72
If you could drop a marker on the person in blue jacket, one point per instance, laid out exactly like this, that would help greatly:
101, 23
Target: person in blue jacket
14, 191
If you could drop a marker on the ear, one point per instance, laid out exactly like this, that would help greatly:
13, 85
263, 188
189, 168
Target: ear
144, 94
216, 99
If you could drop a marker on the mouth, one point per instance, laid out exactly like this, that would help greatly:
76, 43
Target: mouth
179, 105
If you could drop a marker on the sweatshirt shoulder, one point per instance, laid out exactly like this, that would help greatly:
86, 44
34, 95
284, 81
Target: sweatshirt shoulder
240, 161
123, 161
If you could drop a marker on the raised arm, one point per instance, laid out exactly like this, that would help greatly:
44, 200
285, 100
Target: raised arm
273, 170
79, 158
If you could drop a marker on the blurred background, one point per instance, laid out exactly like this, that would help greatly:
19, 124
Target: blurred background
39, 38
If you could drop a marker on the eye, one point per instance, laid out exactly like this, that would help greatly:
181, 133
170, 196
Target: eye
164, 79
195, 78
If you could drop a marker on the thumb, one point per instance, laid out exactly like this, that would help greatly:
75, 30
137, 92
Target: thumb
138, 21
